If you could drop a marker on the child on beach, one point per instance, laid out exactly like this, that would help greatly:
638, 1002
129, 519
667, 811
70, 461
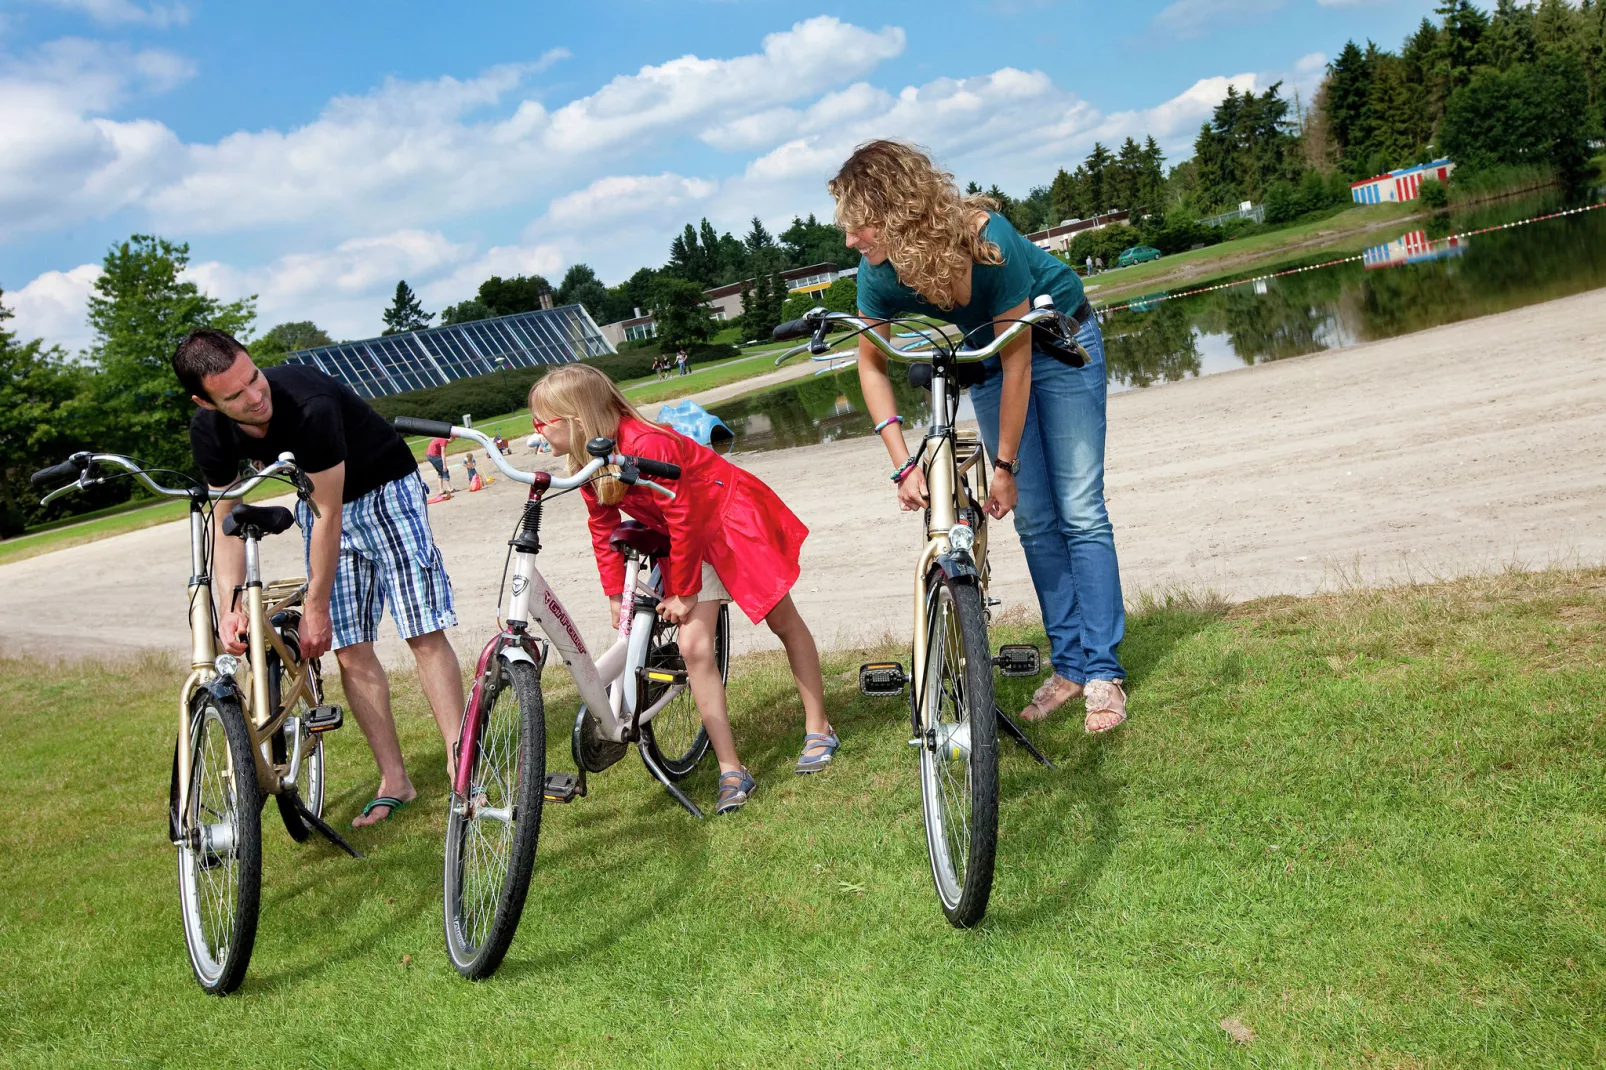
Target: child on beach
731, 540
437, 459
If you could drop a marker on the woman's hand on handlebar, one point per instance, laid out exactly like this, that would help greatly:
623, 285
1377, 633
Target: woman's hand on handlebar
1001, 495
912, 491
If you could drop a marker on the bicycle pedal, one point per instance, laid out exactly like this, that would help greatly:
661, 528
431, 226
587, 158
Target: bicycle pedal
323, 719
1016, 659
660, 675
562, 787
882, 679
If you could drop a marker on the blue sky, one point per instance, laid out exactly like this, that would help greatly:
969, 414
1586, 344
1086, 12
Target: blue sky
314, 153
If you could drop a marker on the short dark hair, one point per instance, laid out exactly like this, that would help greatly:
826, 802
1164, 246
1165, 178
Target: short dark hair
205, 351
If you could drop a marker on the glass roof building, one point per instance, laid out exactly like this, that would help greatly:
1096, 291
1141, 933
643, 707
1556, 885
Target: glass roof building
398, 363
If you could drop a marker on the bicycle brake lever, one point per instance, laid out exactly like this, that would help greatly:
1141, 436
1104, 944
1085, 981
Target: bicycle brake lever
650, 485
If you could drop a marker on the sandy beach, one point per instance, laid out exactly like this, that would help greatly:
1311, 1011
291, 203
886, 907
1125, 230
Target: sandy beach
1467, 447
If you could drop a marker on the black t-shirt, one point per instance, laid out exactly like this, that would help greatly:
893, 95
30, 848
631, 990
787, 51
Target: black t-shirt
316, 417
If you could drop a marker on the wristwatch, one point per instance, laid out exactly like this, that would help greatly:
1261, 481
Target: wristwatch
1012, 467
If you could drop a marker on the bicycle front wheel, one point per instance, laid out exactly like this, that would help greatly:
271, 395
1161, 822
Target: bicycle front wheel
491, 834
675, 737
959, 750
220, 858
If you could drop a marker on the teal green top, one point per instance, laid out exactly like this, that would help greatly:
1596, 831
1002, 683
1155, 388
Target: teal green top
1026, 272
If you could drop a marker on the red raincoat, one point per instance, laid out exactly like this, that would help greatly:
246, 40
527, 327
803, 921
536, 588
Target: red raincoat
720, 514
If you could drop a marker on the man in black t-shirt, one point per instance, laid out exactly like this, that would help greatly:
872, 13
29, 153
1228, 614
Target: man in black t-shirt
370, 545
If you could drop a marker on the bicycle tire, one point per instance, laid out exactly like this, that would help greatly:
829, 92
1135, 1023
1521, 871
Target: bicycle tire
219, 912
487, 875
310, 777
959, 793
675, 738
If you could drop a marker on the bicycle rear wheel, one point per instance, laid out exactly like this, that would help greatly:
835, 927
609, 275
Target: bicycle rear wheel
491, 835
309, 777
220, 860
959, 750
675, 737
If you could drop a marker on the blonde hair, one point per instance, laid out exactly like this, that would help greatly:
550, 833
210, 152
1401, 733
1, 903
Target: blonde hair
585, 395
926, 224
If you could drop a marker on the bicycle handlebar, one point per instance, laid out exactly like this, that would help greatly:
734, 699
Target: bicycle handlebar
84, 462
69, 467
661, 469
1042, 314
412, 425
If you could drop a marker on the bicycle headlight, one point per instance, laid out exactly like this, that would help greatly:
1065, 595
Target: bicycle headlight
226, 665
961, 537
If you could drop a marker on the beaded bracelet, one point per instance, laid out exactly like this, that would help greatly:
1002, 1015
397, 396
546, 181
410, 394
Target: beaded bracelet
908, 466
888, 422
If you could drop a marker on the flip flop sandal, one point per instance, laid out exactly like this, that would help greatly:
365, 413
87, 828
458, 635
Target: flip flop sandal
823, 745
734, 790
381, 800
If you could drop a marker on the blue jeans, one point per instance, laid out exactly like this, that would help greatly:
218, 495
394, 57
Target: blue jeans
1060, 517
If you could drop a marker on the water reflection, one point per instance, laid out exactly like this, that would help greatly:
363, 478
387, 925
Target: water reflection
1408, 281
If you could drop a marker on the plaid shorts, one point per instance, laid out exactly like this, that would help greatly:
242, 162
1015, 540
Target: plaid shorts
387, 554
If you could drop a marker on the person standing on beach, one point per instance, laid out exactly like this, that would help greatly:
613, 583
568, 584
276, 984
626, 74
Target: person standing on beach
436, 452
928, 250
371, 543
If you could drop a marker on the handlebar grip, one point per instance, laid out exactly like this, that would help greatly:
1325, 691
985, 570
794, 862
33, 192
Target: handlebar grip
657, 469
56, 472
792, 329
412, 425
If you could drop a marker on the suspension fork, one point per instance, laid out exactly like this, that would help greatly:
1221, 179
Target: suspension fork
203, 653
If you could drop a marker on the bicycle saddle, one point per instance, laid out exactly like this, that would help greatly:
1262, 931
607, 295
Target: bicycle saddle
640, 538
266, 519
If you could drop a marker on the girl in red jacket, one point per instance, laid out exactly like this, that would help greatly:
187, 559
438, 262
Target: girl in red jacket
731, 540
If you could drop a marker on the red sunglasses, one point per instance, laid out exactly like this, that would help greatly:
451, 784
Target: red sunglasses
539, 424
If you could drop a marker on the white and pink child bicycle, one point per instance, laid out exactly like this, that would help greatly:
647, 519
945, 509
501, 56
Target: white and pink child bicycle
634, 693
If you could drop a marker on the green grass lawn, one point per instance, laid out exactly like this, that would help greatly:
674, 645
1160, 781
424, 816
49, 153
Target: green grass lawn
1350, 223
1366, 826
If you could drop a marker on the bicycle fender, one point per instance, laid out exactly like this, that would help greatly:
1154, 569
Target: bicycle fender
958, 567
513, 652
223, 688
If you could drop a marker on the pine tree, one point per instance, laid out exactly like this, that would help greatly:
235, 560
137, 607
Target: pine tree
406, 312
1344, 98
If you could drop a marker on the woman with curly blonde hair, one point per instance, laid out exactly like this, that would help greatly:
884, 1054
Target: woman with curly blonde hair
927, 250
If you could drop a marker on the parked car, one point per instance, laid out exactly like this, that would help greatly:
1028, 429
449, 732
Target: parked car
1137, 255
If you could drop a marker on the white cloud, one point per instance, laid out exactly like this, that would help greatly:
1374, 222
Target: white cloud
55, 306
419, 151
1193, 18
61, 163
113, 12
608, 199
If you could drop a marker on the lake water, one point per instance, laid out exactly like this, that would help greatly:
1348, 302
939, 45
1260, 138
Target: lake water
1410, 280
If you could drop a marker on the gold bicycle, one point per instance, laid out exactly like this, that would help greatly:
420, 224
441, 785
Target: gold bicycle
953, 714
246, 727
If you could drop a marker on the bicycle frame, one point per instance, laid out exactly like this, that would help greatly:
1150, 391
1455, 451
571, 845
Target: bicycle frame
207, 667
604, 683
949, 456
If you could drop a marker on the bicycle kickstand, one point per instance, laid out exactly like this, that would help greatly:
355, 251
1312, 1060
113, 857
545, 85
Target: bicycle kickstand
1014, 731
318, 823
669, 785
